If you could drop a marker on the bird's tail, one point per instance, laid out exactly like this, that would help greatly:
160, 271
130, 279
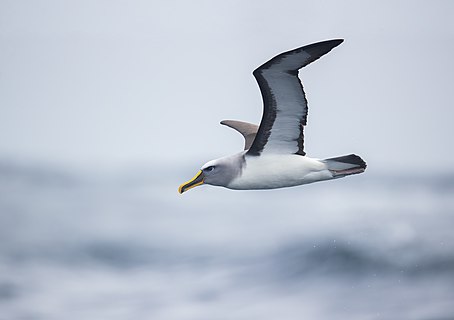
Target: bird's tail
345, 165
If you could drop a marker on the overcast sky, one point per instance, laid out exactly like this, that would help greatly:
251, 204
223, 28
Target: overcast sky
108, 83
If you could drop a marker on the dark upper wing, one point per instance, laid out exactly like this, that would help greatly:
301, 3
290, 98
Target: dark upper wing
284, 100
248, 130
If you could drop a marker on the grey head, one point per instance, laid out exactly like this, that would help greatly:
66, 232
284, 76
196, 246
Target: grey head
218, 172
222, 171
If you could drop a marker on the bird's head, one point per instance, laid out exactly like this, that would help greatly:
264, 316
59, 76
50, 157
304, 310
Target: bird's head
217, 172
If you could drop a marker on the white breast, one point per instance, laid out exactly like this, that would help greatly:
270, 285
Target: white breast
269, 171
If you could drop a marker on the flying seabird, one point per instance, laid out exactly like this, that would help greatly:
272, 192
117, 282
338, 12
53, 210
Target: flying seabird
273, 155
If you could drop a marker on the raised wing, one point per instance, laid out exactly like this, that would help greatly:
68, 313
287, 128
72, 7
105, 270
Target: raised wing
284, 100
248, 130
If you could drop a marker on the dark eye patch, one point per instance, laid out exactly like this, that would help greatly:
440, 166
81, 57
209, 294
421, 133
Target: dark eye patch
209, 169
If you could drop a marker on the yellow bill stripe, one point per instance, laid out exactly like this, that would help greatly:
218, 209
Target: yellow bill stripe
194, 182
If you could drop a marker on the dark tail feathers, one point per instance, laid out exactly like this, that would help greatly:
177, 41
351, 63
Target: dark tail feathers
345, 165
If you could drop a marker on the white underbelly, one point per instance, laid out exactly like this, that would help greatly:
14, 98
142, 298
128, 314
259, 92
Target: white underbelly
279, 171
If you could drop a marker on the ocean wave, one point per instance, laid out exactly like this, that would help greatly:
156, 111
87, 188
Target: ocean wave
291, 261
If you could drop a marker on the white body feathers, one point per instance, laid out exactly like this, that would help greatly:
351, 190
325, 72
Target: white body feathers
270, 171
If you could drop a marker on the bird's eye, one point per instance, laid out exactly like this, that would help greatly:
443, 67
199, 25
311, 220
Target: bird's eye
209, 169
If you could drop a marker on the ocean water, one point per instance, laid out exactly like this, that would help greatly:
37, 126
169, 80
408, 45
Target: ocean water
126, 245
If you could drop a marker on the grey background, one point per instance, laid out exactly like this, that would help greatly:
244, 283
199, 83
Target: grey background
111, 83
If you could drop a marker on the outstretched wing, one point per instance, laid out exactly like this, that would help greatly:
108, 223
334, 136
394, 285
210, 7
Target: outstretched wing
284, 100
248, 130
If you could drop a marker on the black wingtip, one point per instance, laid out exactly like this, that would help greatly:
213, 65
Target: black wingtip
337, 42
315, 50
323, 46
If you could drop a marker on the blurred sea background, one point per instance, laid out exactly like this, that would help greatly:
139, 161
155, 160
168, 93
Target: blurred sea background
107, 106
118, 247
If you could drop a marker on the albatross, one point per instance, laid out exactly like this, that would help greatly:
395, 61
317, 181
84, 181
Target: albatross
273, 155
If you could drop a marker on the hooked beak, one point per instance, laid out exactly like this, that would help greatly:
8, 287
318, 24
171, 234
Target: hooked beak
194, 182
